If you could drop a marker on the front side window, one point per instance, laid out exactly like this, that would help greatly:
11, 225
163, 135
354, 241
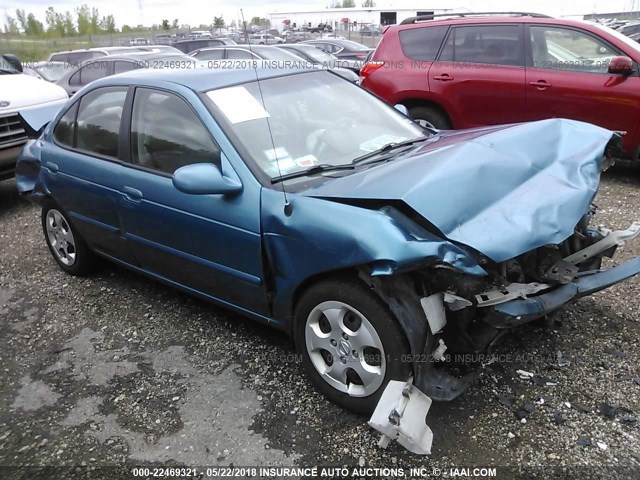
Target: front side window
486, 44
166, 134
98, 123
313, 118
557, 48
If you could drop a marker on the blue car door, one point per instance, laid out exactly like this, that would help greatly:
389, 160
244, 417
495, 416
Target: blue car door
83, 168
207, 243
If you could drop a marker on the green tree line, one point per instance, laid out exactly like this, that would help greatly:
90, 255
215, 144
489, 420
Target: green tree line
84, 21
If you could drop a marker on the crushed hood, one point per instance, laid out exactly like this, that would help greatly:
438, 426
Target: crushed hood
501, 190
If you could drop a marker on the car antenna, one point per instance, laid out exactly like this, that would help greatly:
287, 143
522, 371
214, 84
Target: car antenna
288, 208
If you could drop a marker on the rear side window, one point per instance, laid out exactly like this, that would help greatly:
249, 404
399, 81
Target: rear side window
121, 66
239, 55
422, 43
98, 123
65, 129
93, 71
210, 54
487, 44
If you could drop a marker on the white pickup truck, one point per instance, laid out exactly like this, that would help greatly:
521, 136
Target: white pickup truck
21, 94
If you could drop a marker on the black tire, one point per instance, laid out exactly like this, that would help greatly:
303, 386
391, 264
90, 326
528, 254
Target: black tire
74, 257
359, 299
432, 116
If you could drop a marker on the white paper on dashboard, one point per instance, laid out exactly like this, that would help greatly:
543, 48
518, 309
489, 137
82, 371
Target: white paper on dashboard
237, 104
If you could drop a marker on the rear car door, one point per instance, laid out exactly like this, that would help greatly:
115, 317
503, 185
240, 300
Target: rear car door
83, 168
208, 243
568, 77
480, 75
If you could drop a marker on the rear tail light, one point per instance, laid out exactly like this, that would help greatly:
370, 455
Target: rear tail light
369, 68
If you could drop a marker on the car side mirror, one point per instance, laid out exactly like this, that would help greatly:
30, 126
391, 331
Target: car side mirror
621, 66
402, 109
204, 179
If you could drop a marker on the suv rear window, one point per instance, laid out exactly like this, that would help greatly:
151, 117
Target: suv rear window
422, 43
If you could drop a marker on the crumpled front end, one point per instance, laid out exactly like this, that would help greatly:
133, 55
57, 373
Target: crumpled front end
29, 170
448, 314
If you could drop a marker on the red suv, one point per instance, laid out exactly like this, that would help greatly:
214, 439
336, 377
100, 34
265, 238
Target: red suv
475, 70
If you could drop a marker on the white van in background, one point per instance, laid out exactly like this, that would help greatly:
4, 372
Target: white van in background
26, 95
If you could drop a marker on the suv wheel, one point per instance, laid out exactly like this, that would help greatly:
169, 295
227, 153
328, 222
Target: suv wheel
430, 117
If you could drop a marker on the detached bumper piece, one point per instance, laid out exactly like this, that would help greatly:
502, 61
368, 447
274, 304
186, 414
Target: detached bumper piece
518, 312
401, 415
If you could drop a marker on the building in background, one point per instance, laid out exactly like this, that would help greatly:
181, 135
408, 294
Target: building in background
345, 19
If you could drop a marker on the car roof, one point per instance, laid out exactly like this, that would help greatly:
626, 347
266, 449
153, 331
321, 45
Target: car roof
98, 49
489, 19
137, 56
194, 40
199, 79
296, 46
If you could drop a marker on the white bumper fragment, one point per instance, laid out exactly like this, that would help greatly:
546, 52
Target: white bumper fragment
401, 415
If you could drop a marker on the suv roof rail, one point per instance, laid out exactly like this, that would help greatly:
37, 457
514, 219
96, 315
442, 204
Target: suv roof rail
422, 18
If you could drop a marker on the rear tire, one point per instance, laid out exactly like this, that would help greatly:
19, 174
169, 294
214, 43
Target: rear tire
350, 342
430, 117
69, 250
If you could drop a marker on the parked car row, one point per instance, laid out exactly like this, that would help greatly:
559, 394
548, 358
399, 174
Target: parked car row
281, 56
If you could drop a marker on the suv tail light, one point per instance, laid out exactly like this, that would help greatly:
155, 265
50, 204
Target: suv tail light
369, 68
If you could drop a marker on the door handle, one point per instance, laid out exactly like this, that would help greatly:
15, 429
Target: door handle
445, 77
132, 194
540, 84
53, 167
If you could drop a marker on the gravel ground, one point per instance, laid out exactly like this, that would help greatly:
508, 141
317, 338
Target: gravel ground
115, 369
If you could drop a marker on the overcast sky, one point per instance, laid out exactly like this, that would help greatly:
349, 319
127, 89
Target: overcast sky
148, 12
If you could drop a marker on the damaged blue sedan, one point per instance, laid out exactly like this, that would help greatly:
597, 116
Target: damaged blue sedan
304, 202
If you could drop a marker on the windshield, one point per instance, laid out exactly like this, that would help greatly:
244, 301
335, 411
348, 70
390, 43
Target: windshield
53, 71
635, 46
315, 118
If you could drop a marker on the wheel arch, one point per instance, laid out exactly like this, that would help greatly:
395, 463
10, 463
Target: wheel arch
347, 273
422, 102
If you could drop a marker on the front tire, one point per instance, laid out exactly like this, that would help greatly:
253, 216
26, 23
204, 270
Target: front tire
350, 342
69, 250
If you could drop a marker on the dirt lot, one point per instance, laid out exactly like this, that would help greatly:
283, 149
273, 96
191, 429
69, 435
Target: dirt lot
115, 369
